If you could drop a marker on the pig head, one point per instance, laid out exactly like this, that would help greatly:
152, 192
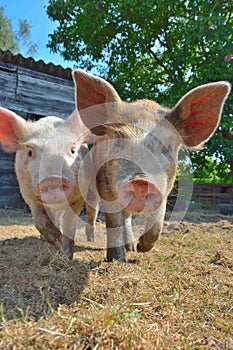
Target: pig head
136, 151
48, 156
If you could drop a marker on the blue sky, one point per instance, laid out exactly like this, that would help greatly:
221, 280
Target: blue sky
35, 13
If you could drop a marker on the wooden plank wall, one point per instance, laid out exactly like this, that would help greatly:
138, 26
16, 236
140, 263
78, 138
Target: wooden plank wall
10, 196
27, 91
32, 95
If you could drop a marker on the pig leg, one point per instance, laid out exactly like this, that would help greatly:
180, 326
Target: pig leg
128, 232
92, 208
154, 225
49, 232
115, 237
114, 221
68, 246
91, 213
70, 220
69, 228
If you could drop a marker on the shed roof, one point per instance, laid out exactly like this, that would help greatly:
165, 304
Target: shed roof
8, 58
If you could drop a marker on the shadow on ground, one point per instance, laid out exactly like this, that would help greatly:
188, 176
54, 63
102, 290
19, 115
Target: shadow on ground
35, 278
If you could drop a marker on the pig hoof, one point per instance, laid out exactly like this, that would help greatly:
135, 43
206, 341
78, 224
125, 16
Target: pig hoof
70, 256
116, 253
114, 259
130, 247
143, 248
90, 234
90, 238
67, 254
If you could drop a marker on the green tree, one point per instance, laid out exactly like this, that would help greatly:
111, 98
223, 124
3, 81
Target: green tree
10, 40
7, 37
153, 49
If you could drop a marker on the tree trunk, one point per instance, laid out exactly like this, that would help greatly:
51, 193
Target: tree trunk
228, 135
231, 167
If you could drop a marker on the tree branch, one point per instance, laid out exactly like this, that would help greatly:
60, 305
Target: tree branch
227, 134
158, 60
163, 43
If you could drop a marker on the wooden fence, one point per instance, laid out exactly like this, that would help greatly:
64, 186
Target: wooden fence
213, 194
208, 195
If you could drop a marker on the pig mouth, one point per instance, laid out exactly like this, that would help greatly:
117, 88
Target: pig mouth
53, 190
140, 196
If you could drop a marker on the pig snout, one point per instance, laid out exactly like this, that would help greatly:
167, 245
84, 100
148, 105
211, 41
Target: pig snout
53, 190
140, 195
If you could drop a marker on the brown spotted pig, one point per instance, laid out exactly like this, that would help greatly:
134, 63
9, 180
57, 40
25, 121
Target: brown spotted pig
136, 151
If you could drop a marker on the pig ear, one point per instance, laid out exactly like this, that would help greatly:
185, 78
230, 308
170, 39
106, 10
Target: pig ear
12, 127
95, 99
197, 114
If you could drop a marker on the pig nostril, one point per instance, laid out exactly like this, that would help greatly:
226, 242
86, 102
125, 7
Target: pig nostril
150, 197
129, 195
53, 187
153, 200
44, 190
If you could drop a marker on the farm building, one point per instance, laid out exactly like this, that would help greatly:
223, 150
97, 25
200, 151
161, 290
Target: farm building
33, 90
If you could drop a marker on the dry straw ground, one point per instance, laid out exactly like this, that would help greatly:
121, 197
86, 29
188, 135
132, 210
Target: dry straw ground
178, 296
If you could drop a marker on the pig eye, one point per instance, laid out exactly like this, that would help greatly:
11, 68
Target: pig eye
30, 152
72, 151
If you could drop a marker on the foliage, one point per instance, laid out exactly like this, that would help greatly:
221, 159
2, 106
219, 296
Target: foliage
12, 41
7, 38
210, 170
152, 49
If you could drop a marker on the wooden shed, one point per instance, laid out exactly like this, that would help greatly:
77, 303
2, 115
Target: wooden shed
33, 90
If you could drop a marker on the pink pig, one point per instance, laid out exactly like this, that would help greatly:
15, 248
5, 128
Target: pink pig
48, 156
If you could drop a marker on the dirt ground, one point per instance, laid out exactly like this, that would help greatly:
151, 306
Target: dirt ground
177, 296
